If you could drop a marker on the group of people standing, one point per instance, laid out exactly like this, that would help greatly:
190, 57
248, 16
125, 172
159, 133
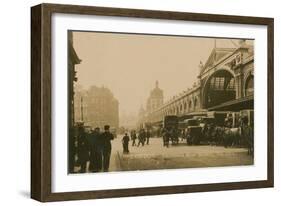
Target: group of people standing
142, 137
211, 134
94, 146
168, 134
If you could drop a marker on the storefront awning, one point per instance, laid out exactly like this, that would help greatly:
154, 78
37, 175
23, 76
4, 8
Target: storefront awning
235, 105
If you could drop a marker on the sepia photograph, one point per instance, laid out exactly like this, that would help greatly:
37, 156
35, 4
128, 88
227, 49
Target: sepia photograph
132, 102
141, 102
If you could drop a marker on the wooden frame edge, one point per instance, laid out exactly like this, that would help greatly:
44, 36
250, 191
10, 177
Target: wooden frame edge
101, 194
36, 58
270, 101
157, 14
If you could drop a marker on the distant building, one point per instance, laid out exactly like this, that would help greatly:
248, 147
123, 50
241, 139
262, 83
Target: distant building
141, 117
97, 107
155, 99
73, 60
128, 120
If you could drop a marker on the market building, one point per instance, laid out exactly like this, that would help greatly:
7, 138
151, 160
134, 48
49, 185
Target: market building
225, 83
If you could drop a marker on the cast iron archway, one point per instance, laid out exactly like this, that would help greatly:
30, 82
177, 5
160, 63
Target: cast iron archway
219, 88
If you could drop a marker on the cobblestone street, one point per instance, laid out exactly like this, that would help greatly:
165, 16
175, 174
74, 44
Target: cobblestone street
155, 156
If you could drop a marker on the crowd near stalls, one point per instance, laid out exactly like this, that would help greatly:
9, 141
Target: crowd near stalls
228, 129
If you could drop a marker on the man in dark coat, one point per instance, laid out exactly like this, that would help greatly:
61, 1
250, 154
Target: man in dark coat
95, 151
147, 136
125, 142
106, 138
166, 137
247, 134
141, 137
133, 137
83, 149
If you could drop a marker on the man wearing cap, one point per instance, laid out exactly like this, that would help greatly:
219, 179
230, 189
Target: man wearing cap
106, 138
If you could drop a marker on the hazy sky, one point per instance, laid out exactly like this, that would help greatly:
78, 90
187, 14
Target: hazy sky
130, 64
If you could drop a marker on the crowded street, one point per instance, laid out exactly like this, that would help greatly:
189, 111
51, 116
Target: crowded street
198, 117
156, 156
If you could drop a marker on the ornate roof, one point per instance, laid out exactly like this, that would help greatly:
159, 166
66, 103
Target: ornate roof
216, 55
156, 92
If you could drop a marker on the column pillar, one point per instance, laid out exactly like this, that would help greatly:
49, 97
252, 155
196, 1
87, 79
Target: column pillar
239, 83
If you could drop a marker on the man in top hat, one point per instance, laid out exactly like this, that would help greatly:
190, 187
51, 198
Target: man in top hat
106, 138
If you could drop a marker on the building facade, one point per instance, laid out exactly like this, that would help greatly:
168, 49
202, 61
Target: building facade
97, 107
73, 60
155, 99
225, 83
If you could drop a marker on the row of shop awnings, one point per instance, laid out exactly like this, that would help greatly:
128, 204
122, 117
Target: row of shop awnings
232, 105
202, 112
235, 105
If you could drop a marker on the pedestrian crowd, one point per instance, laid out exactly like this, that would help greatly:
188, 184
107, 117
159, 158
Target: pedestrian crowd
211, 134
94, 146
142, 137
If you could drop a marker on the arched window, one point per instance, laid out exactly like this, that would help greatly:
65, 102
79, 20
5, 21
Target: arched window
220, 88
230, 85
